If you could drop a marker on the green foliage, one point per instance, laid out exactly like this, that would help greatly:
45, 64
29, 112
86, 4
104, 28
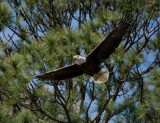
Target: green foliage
5, 15
25, 116
47, 34
150, 108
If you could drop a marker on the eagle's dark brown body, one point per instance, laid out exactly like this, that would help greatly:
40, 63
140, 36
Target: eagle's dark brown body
90, 68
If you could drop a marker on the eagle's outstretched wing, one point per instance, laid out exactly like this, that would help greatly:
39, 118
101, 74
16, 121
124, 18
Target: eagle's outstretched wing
62, 73
110, 42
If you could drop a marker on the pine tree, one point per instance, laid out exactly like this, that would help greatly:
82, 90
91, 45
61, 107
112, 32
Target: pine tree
38, 36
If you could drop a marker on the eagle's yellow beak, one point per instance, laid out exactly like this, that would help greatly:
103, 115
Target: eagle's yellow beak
74, 57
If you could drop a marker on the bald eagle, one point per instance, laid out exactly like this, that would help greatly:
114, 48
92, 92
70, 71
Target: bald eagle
91, 63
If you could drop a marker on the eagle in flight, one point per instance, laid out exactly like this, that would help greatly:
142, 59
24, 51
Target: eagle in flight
91, 63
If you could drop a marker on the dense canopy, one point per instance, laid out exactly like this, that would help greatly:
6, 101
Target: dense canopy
37, 36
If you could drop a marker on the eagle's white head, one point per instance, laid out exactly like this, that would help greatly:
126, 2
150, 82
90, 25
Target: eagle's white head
80, 59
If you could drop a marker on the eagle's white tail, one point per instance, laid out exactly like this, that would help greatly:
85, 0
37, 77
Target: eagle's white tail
101, 77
